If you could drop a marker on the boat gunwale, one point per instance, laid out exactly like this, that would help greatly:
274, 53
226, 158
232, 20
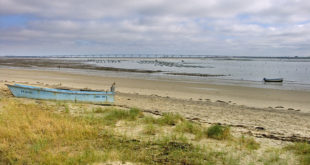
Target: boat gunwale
57, 91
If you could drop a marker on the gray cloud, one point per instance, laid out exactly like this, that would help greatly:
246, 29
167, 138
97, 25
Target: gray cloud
236, 27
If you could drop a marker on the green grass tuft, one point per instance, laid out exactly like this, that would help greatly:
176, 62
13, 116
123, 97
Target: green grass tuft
170, 119
190, 127
302, 150
272, 156
149, 129
98, 110
150, 120
67, 109
114, 115
135, 112
249, 143
218, 132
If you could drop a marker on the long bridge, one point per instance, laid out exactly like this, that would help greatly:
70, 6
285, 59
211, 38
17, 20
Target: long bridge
149, 56
129, 56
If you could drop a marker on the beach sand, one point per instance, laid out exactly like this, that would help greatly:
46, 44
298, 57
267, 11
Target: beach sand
250, 110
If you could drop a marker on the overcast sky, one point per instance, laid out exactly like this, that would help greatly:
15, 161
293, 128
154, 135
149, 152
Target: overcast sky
209, 27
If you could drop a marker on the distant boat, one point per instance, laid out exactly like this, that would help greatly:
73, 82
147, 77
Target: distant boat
273, 79
26, 91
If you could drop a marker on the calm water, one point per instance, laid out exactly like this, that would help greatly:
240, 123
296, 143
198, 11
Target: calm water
237, 71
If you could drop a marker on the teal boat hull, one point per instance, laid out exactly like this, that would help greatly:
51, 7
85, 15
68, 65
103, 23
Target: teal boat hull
32, 92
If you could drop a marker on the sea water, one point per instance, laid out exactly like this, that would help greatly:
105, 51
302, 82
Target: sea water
225, 70
234, 71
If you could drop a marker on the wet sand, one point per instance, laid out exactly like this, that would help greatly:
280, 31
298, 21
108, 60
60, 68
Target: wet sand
278, 114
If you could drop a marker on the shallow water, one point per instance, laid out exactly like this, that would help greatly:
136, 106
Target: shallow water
237, 71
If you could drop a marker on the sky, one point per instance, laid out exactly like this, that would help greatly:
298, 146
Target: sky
199, 27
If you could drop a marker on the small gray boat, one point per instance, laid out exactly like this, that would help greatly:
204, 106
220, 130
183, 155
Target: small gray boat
273, 79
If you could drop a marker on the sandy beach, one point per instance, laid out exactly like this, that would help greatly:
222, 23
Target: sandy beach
276, 114
155, 82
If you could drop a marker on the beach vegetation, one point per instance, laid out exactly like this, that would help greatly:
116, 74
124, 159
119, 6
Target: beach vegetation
67, 109
61, 106
98, 110
150, 129
112, 115
248, 143
41, 133
170, 119
302, 150
272, 156
32, 136
190, 127
60, 103
218, 132
150, 120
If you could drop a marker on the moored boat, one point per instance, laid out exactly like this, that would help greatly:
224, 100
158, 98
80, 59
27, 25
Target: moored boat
33, 92
273, 79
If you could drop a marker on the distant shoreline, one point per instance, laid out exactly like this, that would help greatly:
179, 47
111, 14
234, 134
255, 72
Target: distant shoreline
165, 56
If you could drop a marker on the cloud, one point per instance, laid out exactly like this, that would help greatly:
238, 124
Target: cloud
237, 27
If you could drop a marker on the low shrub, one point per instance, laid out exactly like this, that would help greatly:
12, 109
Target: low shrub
218, 132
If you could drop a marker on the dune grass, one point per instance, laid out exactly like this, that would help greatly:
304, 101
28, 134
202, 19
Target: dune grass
29, 134
248, 143
188, 127
98, 110
272, 156
218, 132
40, 133
32, 134
302, 150
149, 129
114, 115
110, 116
192, 128
170, 119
